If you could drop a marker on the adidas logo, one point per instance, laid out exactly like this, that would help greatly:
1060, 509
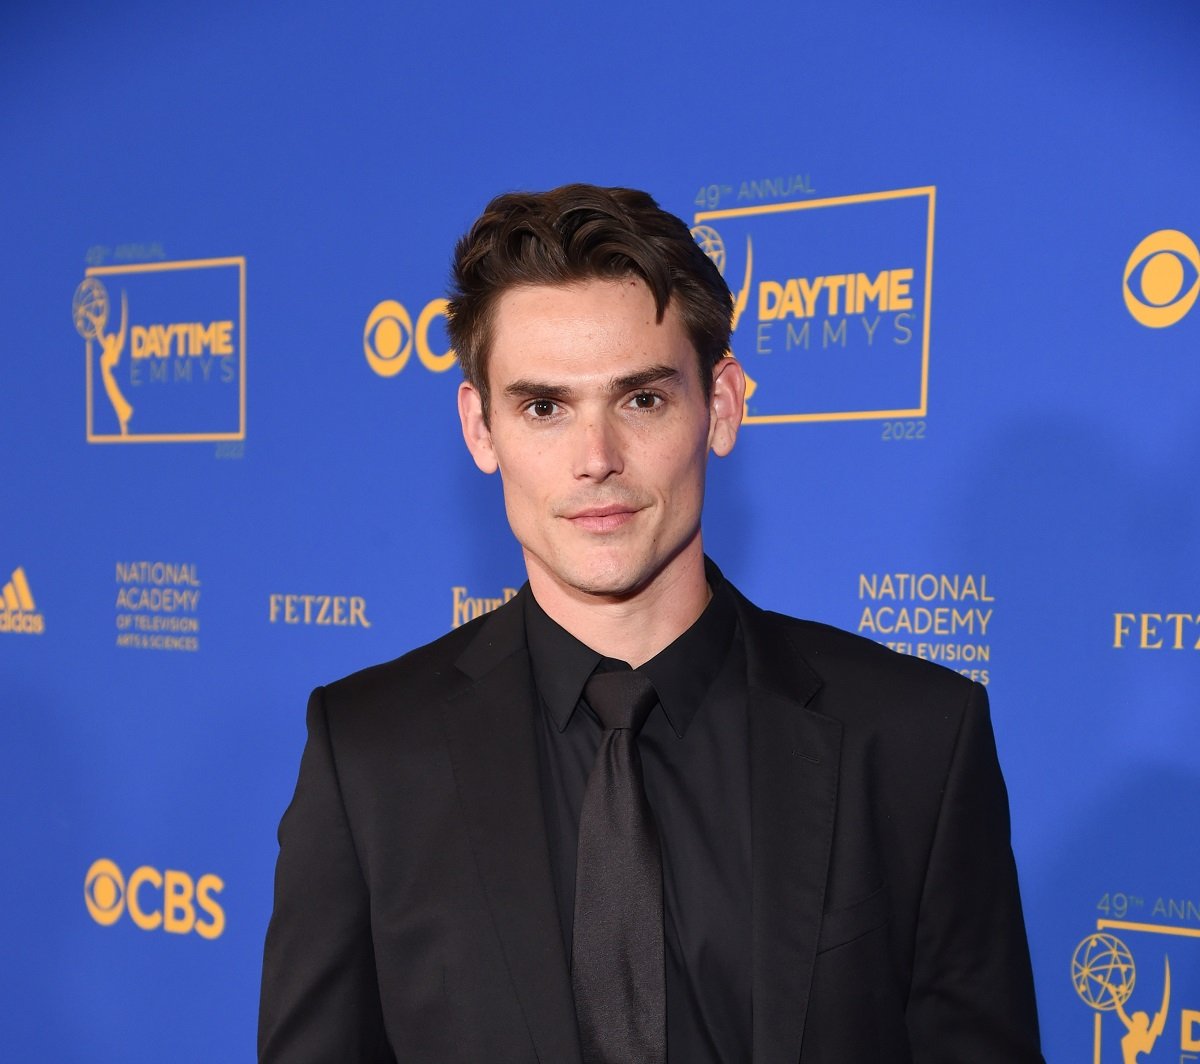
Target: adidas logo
17, 610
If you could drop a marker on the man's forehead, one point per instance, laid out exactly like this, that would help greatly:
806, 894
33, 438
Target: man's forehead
603, 329
532, 301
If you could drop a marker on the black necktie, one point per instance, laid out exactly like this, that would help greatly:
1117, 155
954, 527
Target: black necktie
617, 950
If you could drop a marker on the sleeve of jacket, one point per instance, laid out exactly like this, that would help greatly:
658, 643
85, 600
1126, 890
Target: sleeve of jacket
972, 996
320, 997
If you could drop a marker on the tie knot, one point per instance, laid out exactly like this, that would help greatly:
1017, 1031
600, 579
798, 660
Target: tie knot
621, 699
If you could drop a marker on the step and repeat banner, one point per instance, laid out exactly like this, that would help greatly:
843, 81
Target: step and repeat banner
963, 242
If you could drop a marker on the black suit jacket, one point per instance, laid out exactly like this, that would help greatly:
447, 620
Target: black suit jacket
415, 917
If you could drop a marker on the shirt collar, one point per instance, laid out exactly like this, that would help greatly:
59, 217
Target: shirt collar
561, 663
682, 673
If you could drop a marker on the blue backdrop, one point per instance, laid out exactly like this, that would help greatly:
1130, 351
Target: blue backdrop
964, 242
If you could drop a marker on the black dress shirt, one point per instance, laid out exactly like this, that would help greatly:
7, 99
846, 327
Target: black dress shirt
694, 749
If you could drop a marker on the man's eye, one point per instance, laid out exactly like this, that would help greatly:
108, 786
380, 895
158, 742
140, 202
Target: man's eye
542, 408
645, 401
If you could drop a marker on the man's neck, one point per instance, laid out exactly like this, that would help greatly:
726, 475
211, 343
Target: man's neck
631, 628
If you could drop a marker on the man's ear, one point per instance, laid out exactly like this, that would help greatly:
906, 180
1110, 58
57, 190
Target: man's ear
474, 428
726, 406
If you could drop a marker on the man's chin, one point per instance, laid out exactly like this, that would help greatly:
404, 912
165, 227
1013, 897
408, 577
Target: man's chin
612, 579
607, 584
612, 572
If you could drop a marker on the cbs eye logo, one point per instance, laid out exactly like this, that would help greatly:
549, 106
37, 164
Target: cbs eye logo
154, 899
1162, 278
390, 336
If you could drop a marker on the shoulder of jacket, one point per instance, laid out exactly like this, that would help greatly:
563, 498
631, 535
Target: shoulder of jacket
426, 668
847, 661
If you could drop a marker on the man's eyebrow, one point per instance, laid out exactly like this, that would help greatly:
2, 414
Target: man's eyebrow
530, 389
651, 375
526, 388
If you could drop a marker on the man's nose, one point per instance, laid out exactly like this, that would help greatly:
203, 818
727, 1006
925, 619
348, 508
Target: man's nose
599, 450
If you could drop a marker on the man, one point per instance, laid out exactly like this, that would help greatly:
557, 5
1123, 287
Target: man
784, 843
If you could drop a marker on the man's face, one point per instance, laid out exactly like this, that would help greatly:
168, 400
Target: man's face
600, 429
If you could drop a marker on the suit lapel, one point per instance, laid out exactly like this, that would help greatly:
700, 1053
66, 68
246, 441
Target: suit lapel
493, 748
794, 773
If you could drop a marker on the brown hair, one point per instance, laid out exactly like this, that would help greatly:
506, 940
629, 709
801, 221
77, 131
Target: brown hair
578, 233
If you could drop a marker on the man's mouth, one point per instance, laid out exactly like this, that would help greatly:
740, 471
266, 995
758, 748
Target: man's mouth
608, 518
